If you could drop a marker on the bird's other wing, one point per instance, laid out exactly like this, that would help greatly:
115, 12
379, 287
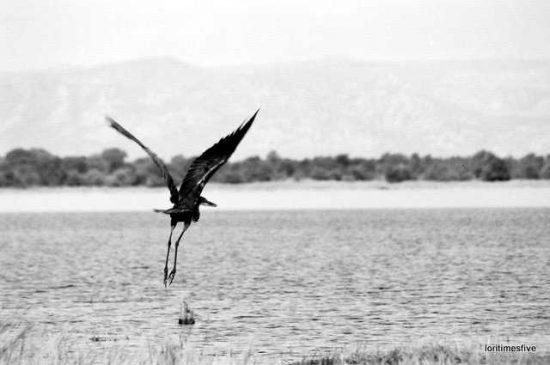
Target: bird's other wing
165, 174
206, 165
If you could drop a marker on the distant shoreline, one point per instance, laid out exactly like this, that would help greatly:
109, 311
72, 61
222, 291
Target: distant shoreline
314, 184
288, 195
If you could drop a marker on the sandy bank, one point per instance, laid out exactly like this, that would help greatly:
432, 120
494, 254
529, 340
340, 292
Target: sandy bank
288, 195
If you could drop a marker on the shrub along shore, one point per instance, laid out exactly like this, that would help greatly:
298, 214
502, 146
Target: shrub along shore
37, 167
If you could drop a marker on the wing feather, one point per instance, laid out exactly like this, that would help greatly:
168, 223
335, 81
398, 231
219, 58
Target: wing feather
206, 165
165, 174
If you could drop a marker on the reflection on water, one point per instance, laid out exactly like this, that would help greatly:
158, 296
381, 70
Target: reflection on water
284, 281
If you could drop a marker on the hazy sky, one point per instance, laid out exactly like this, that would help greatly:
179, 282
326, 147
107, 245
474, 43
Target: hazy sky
51, 33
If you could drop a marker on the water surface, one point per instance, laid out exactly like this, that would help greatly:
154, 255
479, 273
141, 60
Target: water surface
281, 282
327, 195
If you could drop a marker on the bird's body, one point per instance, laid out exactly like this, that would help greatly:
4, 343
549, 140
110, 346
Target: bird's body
187, 199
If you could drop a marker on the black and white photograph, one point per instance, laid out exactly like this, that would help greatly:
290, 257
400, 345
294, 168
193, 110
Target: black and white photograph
290, 182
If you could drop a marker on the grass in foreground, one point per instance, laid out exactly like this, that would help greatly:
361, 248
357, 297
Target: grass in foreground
426, 355
18, 346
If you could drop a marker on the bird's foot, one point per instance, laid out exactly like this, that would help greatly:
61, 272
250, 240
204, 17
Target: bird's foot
171, 276
165, 276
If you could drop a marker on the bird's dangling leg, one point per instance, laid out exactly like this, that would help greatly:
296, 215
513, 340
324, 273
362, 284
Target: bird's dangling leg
172, 226
173, 272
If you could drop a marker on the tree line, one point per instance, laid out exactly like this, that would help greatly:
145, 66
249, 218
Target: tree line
37, 167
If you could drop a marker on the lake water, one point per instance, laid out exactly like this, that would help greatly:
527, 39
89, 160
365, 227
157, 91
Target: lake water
327, 195
281, 282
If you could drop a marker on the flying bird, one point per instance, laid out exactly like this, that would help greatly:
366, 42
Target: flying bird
187, 199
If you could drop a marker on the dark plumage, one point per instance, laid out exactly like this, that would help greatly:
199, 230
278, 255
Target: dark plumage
188, 198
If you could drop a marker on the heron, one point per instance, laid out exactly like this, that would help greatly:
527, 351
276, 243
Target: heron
187, 199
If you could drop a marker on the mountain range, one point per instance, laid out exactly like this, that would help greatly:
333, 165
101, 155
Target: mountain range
308, 108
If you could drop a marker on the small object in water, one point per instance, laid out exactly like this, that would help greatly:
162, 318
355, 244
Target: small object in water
101, 339
186, 321
188, 317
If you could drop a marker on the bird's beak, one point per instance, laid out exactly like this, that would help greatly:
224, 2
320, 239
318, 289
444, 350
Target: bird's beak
209, 203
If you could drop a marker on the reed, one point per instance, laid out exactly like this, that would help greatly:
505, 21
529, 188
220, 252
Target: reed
18, 345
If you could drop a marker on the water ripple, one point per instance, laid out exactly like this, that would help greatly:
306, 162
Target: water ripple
281, 282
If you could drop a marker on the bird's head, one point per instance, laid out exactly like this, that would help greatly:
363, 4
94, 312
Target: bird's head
204, 201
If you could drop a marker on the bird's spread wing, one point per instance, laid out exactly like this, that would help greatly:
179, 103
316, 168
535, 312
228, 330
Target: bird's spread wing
204, 166
167, 177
